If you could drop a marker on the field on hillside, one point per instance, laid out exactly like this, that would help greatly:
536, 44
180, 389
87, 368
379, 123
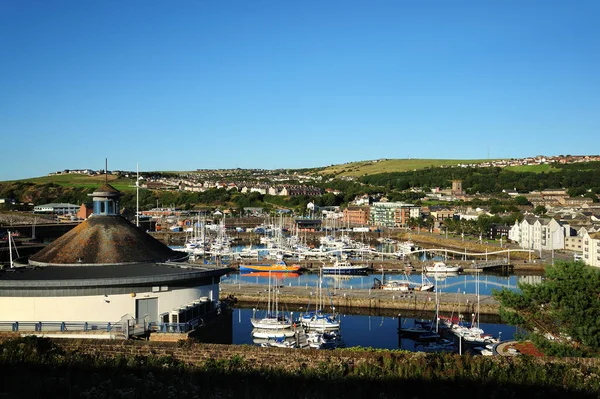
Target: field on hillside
392, 165
77, 180
532, 168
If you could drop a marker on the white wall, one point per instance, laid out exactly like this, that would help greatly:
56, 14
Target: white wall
96, 308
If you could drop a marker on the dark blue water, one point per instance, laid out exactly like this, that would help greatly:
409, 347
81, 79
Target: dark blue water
365, 331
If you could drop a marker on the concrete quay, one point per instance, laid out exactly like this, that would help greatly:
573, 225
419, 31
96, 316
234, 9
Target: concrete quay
365, 299
395, 266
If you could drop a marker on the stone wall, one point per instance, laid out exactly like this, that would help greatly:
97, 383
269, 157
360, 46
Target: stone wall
196, 354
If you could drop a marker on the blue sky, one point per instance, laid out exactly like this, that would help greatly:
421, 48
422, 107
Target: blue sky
288, 84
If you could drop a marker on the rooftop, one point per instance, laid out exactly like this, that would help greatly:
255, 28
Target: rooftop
102, 240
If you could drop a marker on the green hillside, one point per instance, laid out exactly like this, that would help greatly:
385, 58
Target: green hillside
83, 181
532, 168
392, 165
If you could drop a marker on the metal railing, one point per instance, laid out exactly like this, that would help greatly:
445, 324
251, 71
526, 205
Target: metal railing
177, 327
60, 326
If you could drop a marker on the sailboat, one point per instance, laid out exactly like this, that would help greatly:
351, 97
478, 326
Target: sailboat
474, 333
12, 245
318, 320
273, 320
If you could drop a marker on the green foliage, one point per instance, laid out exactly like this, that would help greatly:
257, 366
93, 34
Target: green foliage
540, 210
492, 180
564, 308
520, 200
33, 368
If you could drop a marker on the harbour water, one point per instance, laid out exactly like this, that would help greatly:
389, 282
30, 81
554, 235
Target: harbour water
364, 331
449, 283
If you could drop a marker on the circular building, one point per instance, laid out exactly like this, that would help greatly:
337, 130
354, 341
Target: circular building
108, 274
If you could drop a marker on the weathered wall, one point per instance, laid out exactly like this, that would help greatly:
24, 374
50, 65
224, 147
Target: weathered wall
282, 358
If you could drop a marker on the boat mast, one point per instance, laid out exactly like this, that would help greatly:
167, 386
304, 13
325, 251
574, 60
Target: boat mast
137, 196
10, 251
269, 297
276, 301
477, 298
437, 309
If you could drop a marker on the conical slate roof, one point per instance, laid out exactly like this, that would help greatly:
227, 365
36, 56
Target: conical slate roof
104, 240
107, 188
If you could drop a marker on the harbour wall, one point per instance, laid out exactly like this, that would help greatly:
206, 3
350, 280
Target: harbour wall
366, 300
197, 354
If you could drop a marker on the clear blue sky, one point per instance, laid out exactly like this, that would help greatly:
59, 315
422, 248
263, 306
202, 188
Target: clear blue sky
272, 84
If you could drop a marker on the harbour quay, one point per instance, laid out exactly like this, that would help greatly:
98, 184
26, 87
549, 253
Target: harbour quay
398, 265
252, 295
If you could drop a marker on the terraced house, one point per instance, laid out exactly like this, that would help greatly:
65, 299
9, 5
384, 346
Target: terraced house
591, 249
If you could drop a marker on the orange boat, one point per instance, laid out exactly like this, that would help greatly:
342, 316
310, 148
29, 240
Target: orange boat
273, 274
279, 266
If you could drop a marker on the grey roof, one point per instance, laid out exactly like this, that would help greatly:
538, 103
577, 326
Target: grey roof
59, 205
105, 276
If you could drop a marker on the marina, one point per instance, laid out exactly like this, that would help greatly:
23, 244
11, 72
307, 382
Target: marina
369, 331
459, 315
336, 314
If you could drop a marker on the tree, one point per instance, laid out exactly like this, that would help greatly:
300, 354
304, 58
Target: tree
540, 210
520, 200
562, 313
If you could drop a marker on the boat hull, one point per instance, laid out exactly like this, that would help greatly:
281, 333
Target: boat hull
350, 270
272, 334
270, 268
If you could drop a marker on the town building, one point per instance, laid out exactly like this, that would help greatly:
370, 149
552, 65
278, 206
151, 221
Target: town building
308, 224
575, 242
498, 231
391, 214
85, 211
457, 189
439, 214
57, 208
356, 216
538, 233
591, 249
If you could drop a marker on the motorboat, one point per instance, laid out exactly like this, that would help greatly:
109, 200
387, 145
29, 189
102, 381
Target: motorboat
279, 266
345, 267
441, 267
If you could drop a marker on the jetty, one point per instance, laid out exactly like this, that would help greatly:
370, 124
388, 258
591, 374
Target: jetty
365, 299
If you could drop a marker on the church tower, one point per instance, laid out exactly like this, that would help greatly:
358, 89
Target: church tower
457, 187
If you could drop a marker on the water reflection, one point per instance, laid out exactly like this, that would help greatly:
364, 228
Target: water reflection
379, 331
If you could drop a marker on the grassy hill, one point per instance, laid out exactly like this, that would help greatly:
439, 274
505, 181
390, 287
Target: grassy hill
392, 165
83, 181
532, 168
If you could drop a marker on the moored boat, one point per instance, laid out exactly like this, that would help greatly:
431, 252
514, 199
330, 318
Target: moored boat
266, 333
273, 321
441, 267
320, 321
277, 275
344, 267
279, 266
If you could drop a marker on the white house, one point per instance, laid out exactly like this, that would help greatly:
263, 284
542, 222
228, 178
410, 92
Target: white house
538, 234
591, 249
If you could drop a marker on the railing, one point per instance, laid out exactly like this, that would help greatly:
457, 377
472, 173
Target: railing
60, 326
176, 327
490, 263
